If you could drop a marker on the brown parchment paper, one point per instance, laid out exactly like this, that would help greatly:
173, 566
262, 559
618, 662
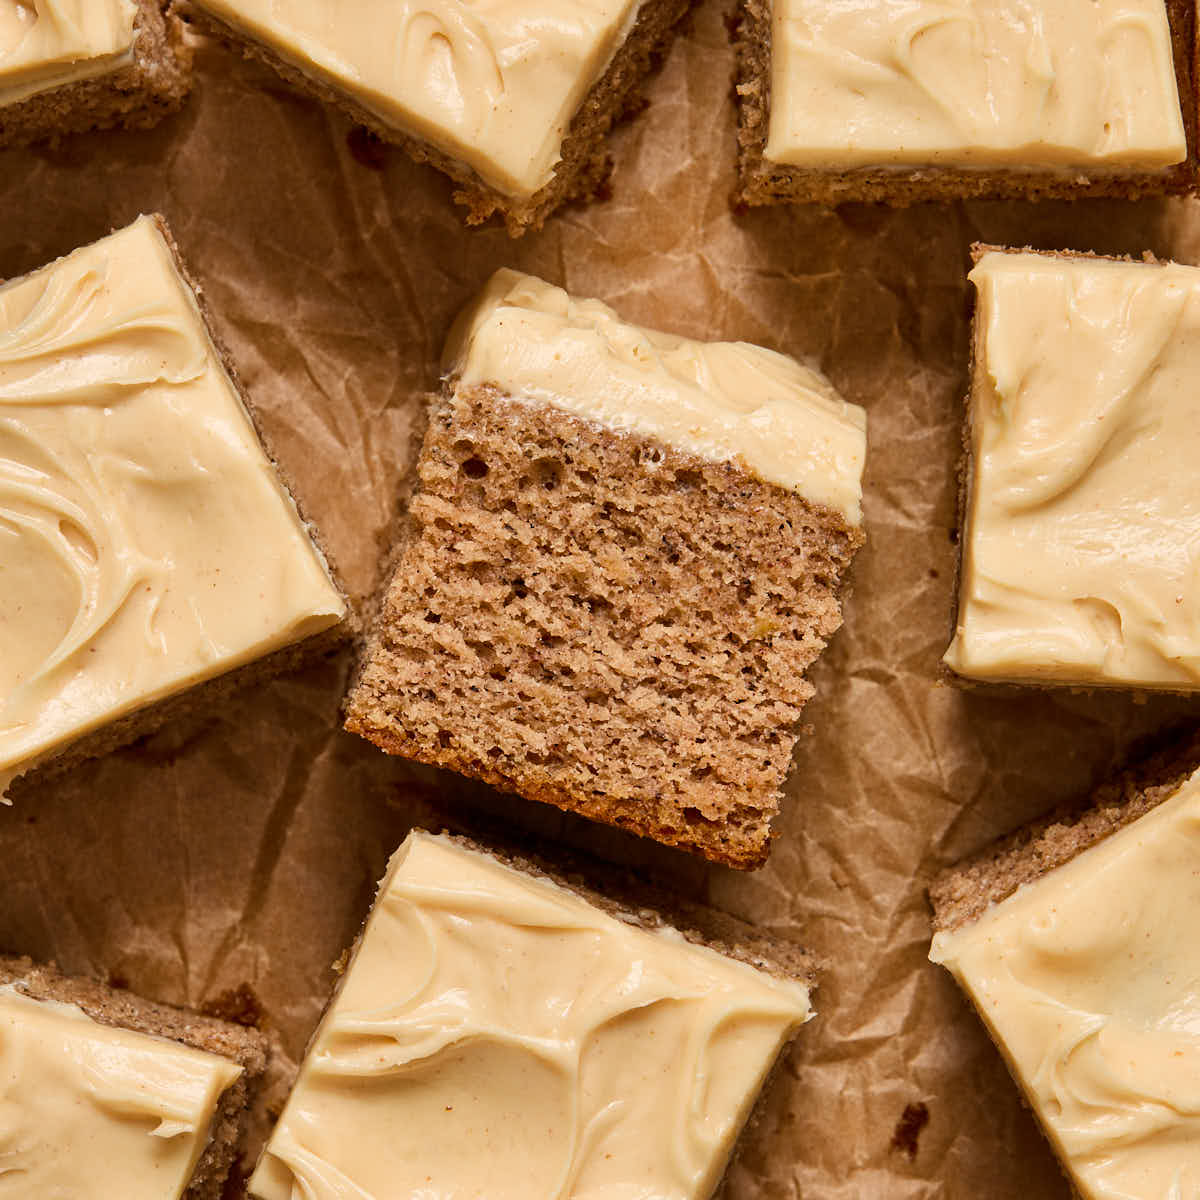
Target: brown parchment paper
243, 848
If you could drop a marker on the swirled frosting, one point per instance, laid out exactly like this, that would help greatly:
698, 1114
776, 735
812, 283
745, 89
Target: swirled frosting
1082, 552
974, 83
146, 543
89, 1110
1089, 980
719, 400
46, 43
497, 1035
493, 85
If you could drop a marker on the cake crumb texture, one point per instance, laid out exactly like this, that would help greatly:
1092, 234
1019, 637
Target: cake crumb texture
603, 623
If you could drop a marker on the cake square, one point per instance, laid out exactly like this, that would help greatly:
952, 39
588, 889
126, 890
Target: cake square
107, 1094
513, 102
1074, 939
1081, 525
147, 544
71, 65
499, 1033
626, 549
900, 101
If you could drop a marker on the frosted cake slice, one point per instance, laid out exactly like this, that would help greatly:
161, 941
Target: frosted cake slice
1080, 540
513, 102
147, 544
72, 65
897, 101
497, 1033
109, 1095
1075, 940
626, 550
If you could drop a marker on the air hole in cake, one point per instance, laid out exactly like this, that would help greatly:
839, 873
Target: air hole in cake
551, 640
444, 738
433, 618
485, 650
548, 472
586, 478
688, 480
474, 468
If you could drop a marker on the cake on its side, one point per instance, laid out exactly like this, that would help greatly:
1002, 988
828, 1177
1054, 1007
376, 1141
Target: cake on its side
898, 104
147, 544
625, 550
74, 65
498, 1031
1072, 938
110, 1094
1080, 524
515, 111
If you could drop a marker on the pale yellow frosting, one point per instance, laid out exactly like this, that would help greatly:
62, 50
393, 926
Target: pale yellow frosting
1082, 551
493, 85
498, 1036
718, 400
88, 1110
973, 83
146, 543
46, 43
1089, 979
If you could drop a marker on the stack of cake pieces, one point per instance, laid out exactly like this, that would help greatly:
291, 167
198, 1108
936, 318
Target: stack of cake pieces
502, 1033
109, 1095
147, 544
71, 65
1075, 939
513, 102
907, 100
626, 550
1081, 519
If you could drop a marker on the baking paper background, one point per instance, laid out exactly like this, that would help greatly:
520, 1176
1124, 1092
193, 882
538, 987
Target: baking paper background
244, 848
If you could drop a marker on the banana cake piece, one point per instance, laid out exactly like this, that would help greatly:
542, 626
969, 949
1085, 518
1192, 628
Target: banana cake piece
1075, 941
71, 65
147, 543
108, 1094
513, 102
626, 549
1080, 540
502, 1032
900, 101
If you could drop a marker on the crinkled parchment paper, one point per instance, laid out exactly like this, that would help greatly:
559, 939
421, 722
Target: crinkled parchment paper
243, 849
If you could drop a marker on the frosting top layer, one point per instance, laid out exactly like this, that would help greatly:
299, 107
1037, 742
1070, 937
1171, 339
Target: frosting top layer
91, 1110
974, 83
1083, 526
493, 85
497, 1035
45, 43
146, 543
1089, 979
718, 400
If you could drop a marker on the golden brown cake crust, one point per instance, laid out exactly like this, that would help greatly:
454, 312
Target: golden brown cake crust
764, 182
125, 1010
136, 96
965, 891
603, 623
207, 696
582, 173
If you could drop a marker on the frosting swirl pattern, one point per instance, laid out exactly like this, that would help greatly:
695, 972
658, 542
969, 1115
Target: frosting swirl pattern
145, 543
497, 1035
92, 1110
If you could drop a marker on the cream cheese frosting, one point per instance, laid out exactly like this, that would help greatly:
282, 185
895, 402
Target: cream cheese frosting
493, 85
496, 1035
89, 1110
718, 400
146, 543
1082, 550
47, 43
1005, 84
1089, 979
